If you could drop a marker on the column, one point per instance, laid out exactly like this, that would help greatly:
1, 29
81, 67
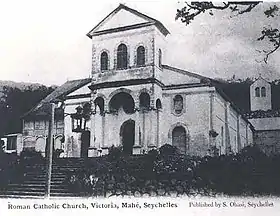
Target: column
92, 131
157, 126
247, 136
144, 144
238, 133
211, 127
154, 125
227, 135
103, 130
137, 128
211, 111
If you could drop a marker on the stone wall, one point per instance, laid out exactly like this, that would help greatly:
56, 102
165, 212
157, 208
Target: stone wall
268, 141
234, 132
272, 123
194, 118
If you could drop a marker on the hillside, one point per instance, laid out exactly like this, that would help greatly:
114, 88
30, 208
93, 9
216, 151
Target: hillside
15, 100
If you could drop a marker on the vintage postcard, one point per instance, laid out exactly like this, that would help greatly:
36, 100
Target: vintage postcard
139, 107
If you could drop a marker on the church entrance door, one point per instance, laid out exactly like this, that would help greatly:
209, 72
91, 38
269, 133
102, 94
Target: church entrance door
85, 139
179, 139
127, 134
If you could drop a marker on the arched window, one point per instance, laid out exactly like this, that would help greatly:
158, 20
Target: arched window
263, 92
158, 104
122, 57
257, 92
99, 102
144, 99
159, 58
178, 104
104, 61
140, 56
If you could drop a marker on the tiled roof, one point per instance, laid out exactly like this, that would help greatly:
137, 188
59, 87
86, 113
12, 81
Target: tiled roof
263, 114
42, 109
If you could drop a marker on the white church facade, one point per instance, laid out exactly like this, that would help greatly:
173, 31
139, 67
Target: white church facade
140, 103
134, 100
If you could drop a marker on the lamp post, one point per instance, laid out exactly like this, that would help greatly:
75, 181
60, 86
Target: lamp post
50, 150
78, 125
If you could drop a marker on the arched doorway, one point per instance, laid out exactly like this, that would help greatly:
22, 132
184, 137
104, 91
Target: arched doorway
127, 135
40, 145
179, 139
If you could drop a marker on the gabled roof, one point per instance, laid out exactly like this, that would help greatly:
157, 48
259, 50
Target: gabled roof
206, 81
148, 21
186, 72
42, 109
261, 78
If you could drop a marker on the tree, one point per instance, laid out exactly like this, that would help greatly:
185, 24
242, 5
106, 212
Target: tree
15, 102
193, 9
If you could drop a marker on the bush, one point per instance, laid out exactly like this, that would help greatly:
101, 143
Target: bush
153, 153
252, 151
79, 182
8, 164
167, 150
167, 173
115, 152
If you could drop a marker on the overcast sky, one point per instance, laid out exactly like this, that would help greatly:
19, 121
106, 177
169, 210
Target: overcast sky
45, 41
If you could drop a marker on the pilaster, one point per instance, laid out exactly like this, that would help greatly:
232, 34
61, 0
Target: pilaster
227, 135
238, 133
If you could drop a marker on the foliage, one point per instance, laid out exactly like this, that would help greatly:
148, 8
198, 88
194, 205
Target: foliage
115, 152
191, 10
8, 162
249, 173
14, 102
167, 150
214, 151
79, 181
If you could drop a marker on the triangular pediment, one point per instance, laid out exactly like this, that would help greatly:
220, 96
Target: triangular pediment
121, 19
260, 81
124, 18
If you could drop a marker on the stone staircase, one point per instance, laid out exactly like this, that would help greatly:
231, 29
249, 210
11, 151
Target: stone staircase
33, 182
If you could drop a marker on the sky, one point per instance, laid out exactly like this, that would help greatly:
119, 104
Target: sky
44, 41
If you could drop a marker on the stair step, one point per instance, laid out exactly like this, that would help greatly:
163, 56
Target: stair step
43, 181
26, 185
24, 189
33, 179
31, 193
69, 194
33, 190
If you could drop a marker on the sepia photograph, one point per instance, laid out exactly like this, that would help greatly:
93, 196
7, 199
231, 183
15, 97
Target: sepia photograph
139, 99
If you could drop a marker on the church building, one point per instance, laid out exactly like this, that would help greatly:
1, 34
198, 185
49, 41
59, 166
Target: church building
136, 101
264, 115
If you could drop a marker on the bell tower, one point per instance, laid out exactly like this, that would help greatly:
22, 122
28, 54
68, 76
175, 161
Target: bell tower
127, 45
260, 95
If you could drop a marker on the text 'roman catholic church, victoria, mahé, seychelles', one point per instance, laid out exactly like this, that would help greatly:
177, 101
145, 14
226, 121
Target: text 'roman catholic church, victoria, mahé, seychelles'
136, 101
